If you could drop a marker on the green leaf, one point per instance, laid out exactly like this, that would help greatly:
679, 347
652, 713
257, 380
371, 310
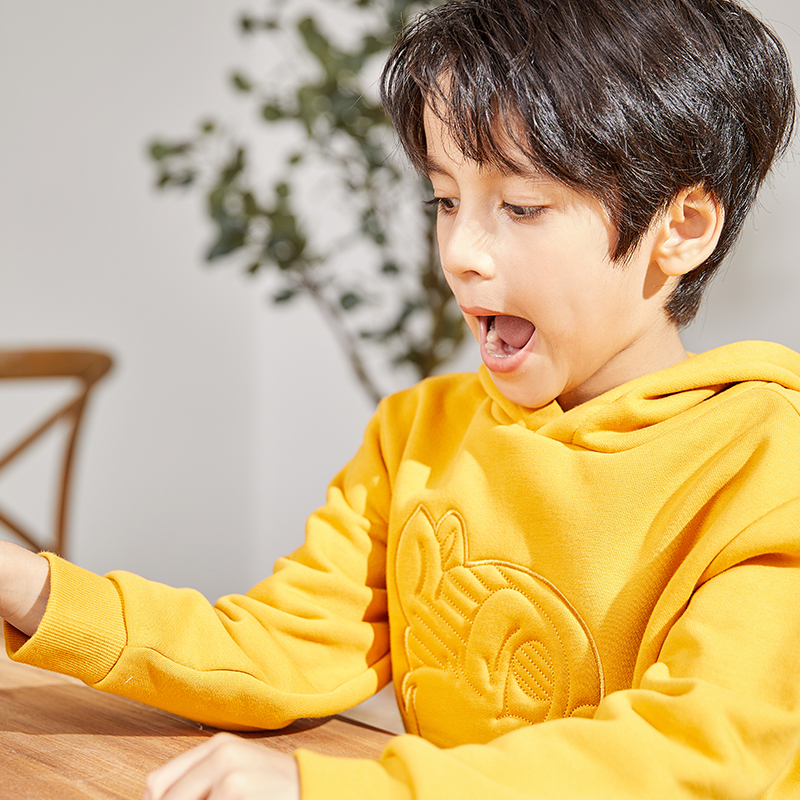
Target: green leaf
283, 251
241, 83
316, 43
271, 113
349, 300
180, 178
185, 178
284, 296
250, 205
161, 150
230, 239
248, 24
233, 168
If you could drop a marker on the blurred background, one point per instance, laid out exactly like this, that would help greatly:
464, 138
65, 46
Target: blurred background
225, 415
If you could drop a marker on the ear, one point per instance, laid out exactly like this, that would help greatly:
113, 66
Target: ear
687, 232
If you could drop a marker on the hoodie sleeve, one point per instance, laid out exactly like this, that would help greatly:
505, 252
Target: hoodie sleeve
717, 716
309, 641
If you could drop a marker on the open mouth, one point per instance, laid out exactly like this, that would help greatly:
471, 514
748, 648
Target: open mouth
506, 335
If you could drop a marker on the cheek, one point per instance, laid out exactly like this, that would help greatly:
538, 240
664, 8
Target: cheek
474, 326
443, 226
447, 277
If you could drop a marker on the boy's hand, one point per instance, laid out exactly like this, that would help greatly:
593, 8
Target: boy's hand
24, 587
226, 768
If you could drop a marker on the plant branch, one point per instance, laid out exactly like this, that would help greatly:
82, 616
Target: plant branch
346, 339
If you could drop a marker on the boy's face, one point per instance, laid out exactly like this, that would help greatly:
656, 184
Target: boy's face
528, 260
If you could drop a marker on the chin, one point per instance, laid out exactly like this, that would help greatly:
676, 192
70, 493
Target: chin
521, 395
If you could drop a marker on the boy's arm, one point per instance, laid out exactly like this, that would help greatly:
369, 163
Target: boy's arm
24, 587
310, 641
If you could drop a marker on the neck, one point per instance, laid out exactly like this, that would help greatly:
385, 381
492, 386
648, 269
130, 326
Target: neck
647, 355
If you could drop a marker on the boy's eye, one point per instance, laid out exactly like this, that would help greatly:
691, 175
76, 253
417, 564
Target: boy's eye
524, 212
447, 205
443, 205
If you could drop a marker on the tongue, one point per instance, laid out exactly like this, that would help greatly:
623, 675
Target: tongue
513, 330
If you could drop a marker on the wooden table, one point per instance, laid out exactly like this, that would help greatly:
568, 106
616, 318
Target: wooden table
61, 739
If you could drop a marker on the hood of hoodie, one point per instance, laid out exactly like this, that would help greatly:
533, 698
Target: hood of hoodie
642, 409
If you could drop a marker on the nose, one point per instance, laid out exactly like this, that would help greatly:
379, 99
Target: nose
465, 246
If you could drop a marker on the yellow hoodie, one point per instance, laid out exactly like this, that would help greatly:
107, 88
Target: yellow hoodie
599, 603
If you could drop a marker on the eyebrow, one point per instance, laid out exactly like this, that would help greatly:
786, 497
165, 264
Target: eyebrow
432, 167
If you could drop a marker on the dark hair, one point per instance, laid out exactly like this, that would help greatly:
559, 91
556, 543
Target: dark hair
630, 101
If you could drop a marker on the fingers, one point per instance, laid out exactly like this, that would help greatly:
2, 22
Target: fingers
161, 780
226, 768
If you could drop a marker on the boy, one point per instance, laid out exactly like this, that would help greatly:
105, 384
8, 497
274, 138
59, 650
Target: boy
580, 567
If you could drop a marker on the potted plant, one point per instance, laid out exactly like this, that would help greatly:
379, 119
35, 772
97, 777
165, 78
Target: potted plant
344, 223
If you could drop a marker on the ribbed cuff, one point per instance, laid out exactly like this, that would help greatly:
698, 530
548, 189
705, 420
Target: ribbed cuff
82, 632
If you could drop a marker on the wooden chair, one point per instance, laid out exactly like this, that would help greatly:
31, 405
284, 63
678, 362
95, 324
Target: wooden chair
86, 368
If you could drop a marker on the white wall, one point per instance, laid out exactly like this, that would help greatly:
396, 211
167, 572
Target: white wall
224, 417
756, 296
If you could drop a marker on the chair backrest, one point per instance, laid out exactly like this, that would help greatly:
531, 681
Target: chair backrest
86, 368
